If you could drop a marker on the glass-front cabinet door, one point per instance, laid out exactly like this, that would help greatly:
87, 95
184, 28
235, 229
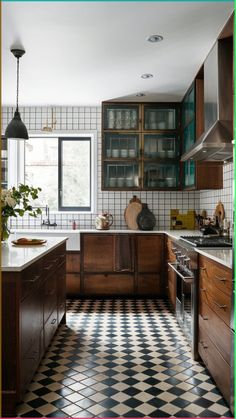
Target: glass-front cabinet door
161, 176
119, 175
161, 117
188, 107
164, 146
121, 117
118, 145
189, 174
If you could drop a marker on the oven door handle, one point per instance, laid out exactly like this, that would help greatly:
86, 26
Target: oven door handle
188, 279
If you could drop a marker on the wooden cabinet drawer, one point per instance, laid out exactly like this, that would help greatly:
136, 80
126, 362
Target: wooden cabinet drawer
219, 276
149, 284
217, 300
50, 328
31, 319
31, 278
50, 295
216, 364
108, 284
216, 329
30, 361
73, 262
98, 252
72, 284
150, 253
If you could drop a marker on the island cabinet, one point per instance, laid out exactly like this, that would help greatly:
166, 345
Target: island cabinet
170, 274
33, 305
121, 264
72, 273
214, 321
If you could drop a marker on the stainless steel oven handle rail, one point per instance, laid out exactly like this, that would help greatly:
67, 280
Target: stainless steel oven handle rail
188, 279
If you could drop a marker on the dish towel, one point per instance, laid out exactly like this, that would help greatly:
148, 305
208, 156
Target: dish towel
123, 253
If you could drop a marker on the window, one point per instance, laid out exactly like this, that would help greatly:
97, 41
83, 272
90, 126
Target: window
64, 167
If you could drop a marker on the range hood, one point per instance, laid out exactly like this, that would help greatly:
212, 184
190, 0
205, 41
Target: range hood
215, 144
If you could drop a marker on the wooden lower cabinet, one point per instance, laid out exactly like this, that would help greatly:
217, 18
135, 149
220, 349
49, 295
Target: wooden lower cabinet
73, 288
122, 263
33, 305
108, 284
149, 284
214, 342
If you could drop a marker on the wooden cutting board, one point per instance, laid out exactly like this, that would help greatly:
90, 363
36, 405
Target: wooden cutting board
131, 212
220, 212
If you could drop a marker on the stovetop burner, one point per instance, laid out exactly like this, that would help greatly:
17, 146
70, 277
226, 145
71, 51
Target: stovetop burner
208, 241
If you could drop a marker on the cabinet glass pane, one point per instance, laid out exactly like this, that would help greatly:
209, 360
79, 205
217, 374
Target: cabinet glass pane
189, 135
122, 117
159, 118
121, 145
4, 163
189, 173
188, 107
160, 175
161, 145
121, 175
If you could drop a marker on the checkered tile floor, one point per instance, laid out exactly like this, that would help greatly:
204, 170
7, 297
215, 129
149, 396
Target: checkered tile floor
121, 358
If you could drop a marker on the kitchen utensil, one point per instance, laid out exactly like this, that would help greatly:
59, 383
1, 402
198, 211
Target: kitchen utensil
220, 212
131, 212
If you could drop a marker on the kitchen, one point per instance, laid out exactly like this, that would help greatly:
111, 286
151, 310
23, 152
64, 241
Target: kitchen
128, 343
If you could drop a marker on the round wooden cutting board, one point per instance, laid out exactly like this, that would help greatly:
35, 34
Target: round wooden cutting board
131, 213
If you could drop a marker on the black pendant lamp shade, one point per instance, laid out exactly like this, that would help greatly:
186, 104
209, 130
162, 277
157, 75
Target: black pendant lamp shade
16, 129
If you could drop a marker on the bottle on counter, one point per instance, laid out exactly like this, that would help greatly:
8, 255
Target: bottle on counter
74, 225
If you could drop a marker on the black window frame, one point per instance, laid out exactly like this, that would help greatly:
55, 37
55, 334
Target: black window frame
60, 173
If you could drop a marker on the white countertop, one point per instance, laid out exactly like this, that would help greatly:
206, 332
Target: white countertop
223, 256
17, 258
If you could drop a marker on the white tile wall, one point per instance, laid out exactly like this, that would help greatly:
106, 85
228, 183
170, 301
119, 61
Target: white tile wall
89, 118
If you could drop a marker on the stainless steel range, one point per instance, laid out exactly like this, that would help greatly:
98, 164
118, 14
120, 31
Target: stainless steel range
186, 270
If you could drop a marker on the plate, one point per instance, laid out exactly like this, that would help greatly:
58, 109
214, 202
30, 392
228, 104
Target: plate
28, 242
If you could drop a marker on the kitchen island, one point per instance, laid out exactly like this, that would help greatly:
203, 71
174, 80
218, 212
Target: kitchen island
33, 306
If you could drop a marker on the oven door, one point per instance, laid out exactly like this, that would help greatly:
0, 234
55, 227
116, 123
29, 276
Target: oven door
186, 305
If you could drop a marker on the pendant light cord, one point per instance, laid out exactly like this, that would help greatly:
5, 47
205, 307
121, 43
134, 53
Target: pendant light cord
17, 85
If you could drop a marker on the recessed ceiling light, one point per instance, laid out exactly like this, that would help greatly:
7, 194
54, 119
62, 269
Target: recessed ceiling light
140, 94
146, 76
155, 38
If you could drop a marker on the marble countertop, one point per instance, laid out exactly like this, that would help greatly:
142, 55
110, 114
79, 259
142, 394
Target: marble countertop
223, 256
16, 258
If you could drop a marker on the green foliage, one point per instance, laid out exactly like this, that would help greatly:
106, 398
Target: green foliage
17, 201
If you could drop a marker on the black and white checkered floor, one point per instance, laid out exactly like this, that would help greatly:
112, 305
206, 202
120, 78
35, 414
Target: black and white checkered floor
121, 358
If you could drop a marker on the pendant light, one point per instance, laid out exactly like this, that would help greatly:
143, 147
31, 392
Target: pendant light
16, 129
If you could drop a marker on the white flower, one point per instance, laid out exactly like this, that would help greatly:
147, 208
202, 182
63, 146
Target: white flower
10, 201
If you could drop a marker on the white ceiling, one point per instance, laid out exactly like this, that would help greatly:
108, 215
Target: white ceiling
81, 53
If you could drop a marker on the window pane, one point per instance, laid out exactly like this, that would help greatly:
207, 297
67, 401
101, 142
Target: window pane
76, 168
41, 169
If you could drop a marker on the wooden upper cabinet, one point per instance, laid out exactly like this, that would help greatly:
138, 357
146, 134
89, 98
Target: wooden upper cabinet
197, 175
98, 252
150, 253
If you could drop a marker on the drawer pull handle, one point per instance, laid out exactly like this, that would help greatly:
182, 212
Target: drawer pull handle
34, 279
222, 279
202, 269
203, 289
222, 306
203, 344
205, 318
53, 321
48, 267
173, 249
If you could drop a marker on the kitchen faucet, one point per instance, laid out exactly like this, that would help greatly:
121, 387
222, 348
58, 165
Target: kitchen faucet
47, 222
